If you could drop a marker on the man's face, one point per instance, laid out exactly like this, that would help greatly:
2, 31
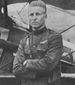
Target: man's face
37, 16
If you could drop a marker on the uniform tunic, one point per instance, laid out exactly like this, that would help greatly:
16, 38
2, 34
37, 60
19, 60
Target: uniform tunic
42, 49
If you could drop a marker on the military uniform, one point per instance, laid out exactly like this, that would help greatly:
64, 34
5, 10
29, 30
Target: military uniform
43, 49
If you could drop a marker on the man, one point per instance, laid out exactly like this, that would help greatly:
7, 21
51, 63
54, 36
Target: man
37, 60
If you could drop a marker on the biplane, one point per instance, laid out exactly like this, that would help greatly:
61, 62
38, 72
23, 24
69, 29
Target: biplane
14, 25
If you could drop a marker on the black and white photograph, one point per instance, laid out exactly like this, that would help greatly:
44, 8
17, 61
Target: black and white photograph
37, 42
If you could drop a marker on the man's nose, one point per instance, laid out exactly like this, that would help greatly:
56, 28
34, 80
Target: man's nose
34, 17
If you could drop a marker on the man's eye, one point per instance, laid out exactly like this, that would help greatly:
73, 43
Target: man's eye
37, 14
31, 14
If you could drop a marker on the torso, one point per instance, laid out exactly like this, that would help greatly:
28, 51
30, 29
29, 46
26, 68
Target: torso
36, 45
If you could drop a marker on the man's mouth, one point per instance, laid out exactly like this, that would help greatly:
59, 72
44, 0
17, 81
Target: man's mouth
34, 23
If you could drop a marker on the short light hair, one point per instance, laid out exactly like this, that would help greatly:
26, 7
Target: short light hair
38, 3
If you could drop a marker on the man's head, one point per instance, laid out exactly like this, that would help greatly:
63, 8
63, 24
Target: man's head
37, 14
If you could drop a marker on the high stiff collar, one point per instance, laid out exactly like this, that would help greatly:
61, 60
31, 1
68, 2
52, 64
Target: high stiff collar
37, 32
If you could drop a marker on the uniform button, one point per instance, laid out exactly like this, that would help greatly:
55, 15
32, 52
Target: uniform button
30, 56
34, 46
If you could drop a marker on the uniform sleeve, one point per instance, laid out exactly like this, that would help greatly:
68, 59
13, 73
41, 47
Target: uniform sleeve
51, 58
18, 69
19, 58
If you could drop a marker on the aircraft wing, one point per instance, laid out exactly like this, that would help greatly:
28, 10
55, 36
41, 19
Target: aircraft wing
69, 45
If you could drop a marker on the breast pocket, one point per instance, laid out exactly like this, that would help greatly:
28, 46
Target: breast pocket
43, 46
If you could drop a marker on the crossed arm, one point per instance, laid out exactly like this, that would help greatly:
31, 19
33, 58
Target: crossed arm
48, 62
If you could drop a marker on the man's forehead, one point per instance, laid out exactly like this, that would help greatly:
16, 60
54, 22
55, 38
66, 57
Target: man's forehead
36, 9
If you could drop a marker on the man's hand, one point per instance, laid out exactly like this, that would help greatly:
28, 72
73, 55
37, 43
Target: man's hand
29, 63
25, 62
